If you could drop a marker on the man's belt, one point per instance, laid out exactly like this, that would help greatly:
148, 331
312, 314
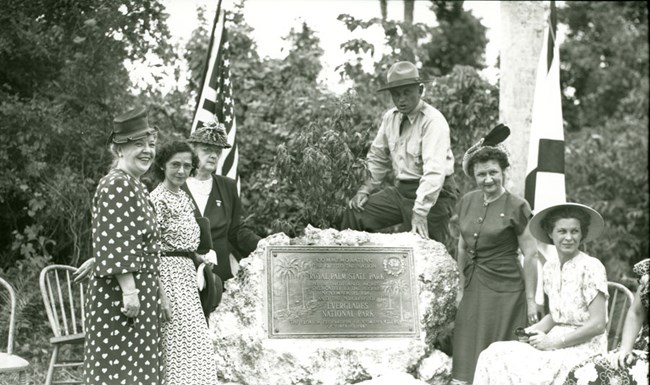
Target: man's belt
408, 181
449, 187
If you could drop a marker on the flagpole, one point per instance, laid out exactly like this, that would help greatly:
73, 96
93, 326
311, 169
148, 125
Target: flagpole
552, 32
207, 65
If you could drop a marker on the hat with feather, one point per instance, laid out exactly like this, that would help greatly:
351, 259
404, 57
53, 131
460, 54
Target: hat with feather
492, 140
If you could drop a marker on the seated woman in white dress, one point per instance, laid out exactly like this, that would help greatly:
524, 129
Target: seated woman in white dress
576, 286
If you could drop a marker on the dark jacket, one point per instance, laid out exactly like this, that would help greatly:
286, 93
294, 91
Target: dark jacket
229, 235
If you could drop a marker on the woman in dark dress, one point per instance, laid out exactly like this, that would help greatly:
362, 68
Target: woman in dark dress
493, 226
123, 315
216, 197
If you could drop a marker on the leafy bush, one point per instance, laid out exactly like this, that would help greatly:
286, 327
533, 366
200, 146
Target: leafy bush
608, 170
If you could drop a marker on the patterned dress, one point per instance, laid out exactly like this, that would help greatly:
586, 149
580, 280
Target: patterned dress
570, 289
494, 300
119, 350
187, 345
598, 371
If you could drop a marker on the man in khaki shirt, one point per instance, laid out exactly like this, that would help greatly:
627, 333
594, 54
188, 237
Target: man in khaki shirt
413, 141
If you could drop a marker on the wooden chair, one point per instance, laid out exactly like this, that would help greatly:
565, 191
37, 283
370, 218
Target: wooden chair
64, 304
9, 362
620, 299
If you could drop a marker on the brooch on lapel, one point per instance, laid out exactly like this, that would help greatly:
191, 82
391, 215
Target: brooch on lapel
218, 203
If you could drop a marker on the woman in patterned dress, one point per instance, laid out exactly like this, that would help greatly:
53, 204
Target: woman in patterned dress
627, 365
122, 344
187, 347
494, 287
576, 286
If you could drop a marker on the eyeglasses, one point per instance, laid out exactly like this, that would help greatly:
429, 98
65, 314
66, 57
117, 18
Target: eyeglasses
177, 165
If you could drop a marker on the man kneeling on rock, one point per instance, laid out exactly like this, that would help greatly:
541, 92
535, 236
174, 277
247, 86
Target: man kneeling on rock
413, 141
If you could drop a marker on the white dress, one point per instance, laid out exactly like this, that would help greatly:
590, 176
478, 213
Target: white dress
570, 290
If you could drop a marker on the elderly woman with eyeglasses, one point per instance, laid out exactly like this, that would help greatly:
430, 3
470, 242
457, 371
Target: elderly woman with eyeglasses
576, 286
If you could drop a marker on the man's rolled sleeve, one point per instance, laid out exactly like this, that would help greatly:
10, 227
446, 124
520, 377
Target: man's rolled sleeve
436, 144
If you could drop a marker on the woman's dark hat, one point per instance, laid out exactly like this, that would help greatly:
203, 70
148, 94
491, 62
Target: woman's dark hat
131, 125
595, 227
401, 74
214, 134
493, 139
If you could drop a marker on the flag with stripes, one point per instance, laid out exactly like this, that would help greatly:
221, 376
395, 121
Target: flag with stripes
545, 183
215, 98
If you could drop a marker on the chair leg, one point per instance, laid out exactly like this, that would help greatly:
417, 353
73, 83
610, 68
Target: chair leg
22, 378
50, 370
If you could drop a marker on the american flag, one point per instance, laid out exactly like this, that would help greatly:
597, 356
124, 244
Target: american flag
215, 98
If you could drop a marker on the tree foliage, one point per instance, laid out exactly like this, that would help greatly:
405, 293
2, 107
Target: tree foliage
604, 60
605, 105
63, 78
459, 39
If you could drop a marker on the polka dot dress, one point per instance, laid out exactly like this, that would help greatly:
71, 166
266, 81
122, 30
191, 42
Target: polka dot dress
125, 235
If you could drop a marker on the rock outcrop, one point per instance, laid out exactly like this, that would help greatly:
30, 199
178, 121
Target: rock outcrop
245, 354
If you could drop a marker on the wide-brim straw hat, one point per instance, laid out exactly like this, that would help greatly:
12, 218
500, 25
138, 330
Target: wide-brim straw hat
401, 74
596, 226
493, 139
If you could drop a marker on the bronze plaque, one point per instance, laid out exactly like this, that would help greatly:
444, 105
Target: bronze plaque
341, 292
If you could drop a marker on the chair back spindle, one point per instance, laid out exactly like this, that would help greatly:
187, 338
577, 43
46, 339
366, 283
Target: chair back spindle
620, 299
64, 304
63, 300
9, 362
12, 315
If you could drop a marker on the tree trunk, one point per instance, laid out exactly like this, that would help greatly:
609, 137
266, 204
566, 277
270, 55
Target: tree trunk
408, 11
522, 31
384, 9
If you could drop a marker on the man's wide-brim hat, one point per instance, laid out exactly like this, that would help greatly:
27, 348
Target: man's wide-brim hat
214, 134
401, 74
596, 226
131, 125
493, 139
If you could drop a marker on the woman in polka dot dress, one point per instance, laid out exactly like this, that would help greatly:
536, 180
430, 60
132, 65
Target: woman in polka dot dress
123, 314
186, 344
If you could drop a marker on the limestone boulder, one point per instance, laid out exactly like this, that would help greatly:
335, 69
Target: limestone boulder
245, 354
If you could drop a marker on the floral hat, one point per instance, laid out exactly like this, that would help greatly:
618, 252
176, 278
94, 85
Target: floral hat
213, 134
641, 268
493, 139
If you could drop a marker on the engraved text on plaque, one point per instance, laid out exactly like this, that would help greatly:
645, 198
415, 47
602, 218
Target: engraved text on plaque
318, 291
